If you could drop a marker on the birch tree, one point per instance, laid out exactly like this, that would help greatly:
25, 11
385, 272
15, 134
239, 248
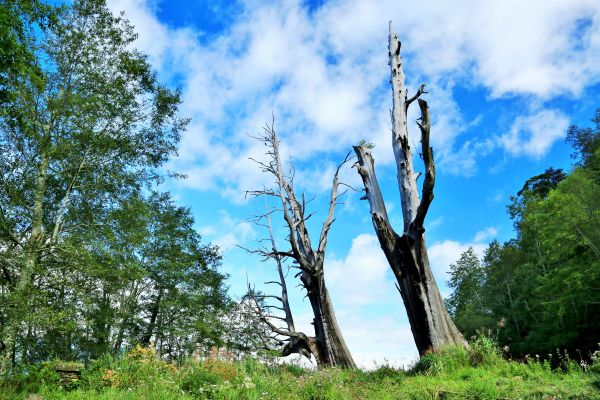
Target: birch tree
91, 125
406, 251
327, 344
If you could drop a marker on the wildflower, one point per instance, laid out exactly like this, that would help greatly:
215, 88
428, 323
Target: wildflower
248, 384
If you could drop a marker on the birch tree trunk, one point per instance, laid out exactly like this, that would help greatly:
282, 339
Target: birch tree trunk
430, 322
32, 250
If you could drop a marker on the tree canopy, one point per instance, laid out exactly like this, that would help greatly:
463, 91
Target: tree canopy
539, 291
92, 256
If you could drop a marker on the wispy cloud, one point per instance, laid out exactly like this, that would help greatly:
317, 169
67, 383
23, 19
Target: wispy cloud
324, 75
534, 134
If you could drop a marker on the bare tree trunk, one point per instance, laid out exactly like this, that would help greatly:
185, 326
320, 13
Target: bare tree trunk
328, 345
430, 322
333, 349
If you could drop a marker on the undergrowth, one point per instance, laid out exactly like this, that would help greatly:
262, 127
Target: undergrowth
480, 372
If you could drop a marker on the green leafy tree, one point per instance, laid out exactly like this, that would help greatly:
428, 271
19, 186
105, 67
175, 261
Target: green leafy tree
585, 141
566, 230
466, 304
540, 289
90, 126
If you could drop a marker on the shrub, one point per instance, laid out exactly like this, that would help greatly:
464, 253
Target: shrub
198, 381
140, 367
293, 369
44, 374
387, 372
448, 359
484, 351
226, 371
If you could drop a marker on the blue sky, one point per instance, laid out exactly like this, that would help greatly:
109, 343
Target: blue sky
505, 80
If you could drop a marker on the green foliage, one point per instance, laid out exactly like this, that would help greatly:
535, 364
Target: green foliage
93, 258
585, 141
538, 292
43, 374
484, 351
595, 360
387, 372
466, 303
364, 143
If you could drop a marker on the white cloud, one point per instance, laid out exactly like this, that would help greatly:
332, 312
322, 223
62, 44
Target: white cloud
277, 57
232, 232
486, 234
392, 334
444, 253
539, 47
366, 260
534, 134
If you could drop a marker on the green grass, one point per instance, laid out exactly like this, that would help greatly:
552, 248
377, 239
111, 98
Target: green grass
479, 373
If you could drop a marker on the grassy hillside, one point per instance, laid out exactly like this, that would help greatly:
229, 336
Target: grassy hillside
480, 373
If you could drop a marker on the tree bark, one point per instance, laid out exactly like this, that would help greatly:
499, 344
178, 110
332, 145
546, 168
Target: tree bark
145, 341
430, 322
333, 350
328, 345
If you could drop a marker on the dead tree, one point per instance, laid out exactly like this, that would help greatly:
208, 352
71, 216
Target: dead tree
286, 340
327, 345
406, 253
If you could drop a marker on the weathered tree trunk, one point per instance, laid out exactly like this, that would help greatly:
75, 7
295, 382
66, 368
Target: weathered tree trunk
333, 349
328, 345
430, 322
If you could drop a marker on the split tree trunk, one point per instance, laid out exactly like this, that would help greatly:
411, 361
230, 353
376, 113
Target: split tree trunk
430, 322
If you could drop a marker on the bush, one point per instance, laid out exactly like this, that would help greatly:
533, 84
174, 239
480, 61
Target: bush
140, 367
224, 370
448, 359
387, 372
484, 351
295, 370
44, 374
197, 380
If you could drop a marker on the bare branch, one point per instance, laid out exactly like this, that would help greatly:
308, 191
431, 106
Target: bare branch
273, 282
332, 203
327, 345
429, 182
284, 293
366, 169
409, 195
416, 96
